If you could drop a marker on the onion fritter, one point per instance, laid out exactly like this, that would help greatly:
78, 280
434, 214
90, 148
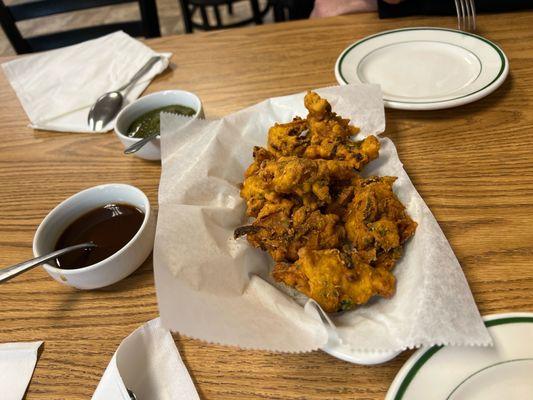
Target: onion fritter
335, 280
334, 235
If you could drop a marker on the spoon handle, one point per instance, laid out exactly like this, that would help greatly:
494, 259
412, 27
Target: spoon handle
135, 147
14, 270
146, 67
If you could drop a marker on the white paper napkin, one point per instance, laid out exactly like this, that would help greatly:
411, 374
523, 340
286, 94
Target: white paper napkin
223, 286
57, 88
148, 363
17, 362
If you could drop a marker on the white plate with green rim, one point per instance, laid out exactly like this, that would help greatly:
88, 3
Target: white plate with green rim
504, 371
425, 68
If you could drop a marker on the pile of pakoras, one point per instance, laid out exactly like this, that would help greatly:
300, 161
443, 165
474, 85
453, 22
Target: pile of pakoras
334, 235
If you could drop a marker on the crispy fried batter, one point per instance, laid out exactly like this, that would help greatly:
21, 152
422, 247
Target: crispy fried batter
337, 281
288, 139
375, 218
307, 179
330, 136
334, 235
323, 135
282, 235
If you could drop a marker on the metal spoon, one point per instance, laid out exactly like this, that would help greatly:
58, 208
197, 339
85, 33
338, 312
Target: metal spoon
135, 147
108, 105
14, 270
131, 394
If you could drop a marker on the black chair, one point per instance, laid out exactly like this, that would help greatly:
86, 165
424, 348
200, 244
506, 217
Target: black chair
291, 9
190, 7
148, 26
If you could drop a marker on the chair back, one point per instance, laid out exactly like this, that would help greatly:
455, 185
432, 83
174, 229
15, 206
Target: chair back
147, 26
190, 7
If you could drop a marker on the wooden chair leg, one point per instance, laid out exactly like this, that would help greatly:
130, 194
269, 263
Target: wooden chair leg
187, 16
230, 7
256, 11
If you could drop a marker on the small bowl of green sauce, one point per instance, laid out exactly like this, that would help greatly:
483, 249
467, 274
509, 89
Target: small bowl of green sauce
142, 118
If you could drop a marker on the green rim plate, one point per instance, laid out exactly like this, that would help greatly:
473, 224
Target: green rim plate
488, 88
417, 361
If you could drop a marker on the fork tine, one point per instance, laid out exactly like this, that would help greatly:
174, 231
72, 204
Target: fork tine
468, 16
464, 13
458, 9
473, 13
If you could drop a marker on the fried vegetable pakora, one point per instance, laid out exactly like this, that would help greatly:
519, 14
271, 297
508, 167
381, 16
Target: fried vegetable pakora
335, 279
322, 135
334, 235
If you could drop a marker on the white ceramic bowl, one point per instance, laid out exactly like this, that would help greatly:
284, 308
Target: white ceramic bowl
114, 268
152, 150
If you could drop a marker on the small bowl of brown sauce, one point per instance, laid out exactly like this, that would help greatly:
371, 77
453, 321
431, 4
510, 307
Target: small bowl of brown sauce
115, 217
142, 118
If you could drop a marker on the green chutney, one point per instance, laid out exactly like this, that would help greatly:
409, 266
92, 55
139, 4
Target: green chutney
148, 123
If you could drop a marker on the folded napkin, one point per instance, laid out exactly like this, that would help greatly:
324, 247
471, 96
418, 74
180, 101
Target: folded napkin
17, 362
148, 363
57, 88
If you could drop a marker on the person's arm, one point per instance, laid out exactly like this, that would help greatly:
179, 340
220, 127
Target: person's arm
328, 8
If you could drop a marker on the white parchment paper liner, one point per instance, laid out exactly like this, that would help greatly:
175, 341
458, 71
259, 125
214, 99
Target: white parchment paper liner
217, 289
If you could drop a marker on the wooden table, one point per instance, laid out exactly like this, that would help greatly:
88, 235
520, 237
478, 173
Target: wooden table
472, 165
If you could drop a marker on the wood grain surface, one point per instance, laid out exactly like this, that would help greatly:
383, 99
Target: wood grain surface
473, 166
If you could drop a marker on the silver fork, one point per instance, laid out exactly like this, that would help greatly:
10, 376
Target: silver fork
466, 15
